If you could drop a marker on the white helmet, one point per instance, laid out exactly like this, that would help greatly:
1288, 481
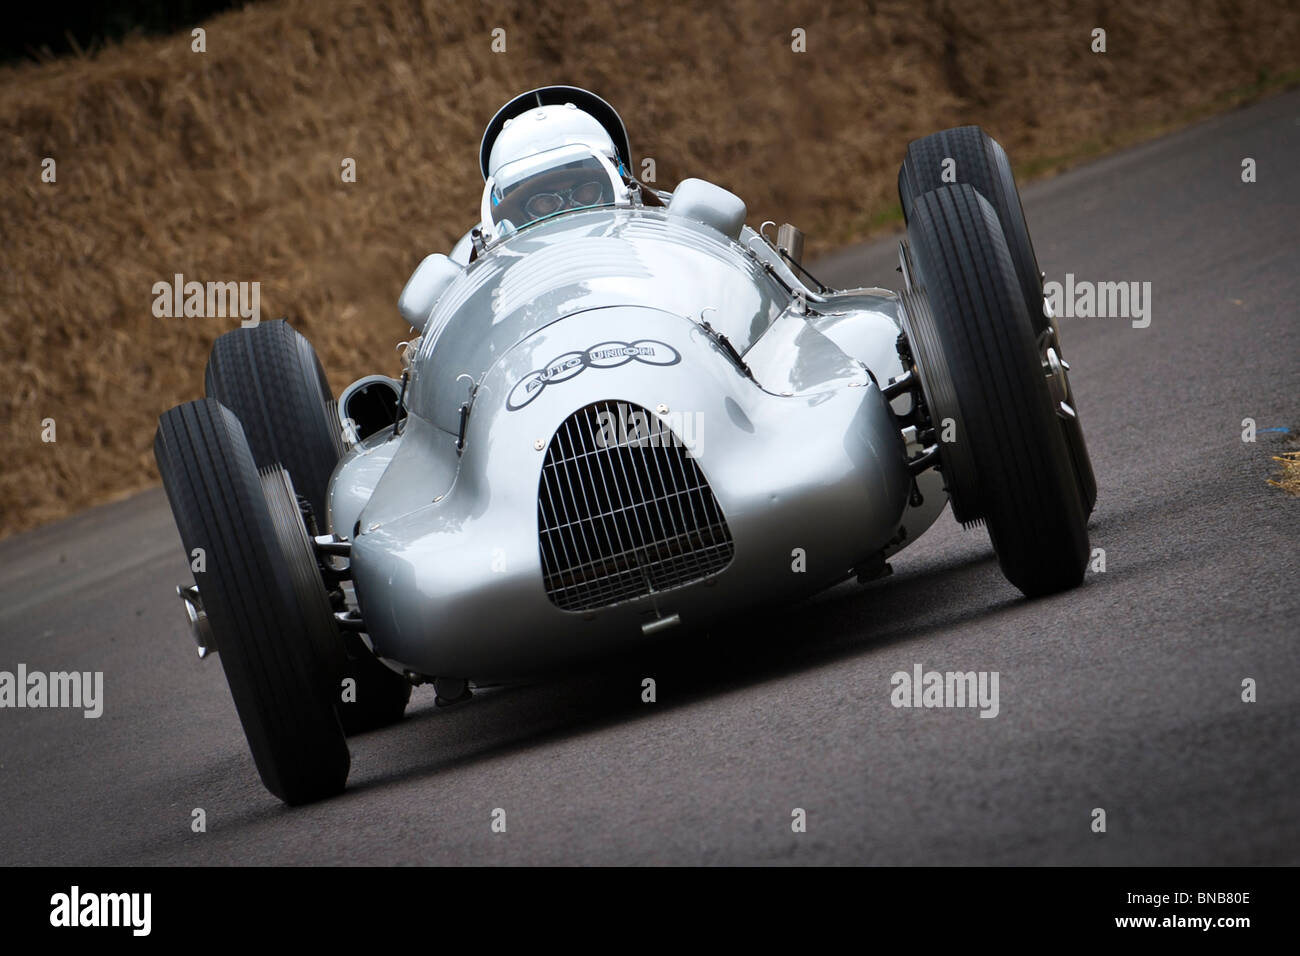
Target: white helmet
582, 109
545, 128
548, 151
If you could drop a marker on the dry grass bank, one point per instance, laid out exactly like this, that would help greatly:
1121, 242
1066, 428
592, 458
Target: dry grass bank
225, 165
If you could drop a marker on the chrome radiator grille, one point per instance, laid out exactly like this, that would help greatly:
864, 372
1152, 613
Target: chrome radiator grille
624, 511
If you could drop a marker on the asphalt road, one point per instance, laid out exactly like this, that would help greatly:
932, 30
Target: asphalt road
1123, 695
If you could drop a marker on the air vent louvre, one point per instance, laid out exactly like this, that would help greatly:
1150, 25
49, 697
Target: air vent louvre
624, 511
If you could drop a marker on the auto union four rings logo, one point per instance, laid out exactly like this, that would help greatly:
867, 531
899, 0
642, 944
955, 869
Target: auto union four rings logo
571, 364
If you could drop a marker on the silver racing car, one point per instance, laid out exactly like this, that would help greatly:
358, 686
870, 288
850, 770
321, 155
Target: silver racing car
623, 413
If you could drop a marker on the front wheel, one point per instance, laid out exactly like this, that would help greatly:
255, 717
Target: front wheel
271, 378
968, 155
367, 695
278, 661
1009, 463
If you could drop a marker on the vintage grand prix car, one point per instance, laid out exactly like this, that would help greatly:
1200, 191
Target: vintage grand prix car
624, 412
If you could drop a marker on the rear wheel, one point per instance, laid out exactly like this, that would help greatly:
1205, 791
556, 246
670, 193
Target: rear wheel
969, 155
279, 666
1009, 464
270, 377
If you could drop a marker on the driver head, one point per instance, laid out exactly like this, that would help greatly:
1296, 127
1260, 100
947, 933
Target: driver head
548, 151
533, 187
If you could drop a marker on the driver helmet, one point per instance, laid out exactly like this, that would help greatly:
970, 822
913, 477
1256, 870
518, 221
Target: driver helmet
546, 160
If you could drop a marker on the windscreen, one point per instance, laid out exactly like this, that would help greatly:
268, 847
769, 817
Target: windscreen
556, 181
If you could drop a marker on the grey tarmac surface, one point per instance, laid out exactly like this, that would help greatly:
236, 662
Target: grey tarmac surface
1124, 694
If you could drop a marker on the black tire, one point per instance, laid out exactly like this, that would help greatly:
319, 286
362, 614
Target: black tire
270, 377
379, 696
279, 676
299, 557
979, 161
977, 354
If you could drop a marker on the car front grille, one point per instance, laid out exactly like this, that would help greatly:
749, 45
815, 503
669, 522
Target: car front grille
624, 511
